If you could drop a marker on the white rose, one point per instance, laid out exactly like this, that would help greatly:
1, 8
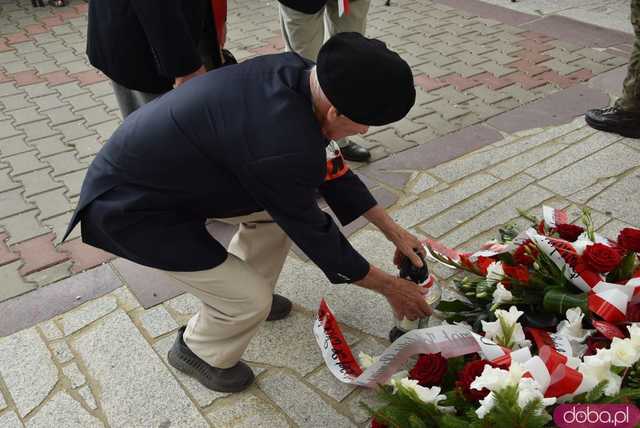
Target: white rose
501, 295
623, 352
529, 390
486, 404
427, 395
597, 368
492, 378
572, 326
634, 332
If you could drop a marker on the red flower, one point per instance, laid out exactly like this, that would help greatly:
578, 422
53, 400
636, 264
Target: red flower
521, 255
601, 258
518, 273
429, 370
483, 263
569, 232
467, 375
629, 239
376, 424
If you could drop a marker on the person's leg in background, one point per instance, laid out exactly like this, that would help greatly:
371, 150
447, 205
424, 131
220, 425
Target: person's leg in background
355, 21
624, 116
236, 297
129, 100
304, 33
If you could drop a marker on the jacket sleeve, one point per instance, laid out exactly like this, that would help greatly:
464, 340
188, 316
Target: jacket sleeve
286, 189
169, 36
348, 197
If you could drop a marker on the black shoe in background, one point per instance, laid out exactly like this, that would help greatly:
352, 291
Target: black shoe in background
280, 308
613, 119
355, 152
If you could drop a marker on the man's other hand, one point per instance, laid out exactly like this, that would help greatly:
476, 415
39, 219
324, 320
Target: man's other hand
407, 300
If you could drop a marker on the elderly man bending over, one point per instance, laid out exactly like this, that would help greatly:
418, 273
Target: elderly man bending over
249, 144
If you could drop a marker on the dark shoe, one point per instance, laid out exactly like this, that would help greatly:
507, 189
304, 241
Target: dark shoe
613, 119
355, 152
280, 308
234, 379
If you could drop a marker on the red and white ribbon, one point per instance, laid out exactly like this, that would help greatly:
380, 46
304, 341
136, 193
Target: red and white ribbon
343, 8
557, 342
553, 217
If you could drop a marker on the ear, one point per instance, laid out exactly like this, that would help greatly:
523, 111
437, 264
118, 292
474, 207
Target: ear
332, 114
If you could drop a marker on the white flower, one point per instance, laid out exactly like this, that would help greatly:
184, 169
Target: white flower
623, 352
580, 244
529, 390
367, 360
427, 395
491, 378
486, 404
501, 295
493, 330
634, 332
572, 326
597, 368
495, 272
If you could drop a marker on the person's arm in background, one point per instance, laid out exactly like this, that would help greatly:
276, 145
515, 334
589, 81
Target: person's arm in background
170, 38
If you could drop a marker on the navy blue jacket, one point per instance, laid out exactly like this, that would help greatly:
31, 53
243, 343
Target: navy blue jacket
237, 140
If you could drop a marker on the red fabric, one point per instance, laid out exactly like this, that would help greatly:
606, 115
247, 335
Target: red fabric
219, 8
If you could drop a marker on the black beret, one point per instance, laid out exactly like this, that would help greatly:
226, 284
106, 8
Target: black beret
364, 80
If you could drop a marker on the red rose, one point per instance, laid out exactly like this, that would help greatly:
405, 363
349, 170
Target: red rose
376, 424
601, 258
518, 273
569, 232
483, 263
429, 370
521, 255
467, 375
629, 239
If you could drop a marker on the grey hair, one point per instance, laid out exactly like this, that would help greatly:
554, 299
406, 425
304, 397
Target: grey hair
316, 90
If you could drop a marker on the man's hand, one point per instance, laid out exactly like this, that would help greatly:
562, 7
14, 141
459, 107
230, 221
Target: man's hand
405, 297
180, 80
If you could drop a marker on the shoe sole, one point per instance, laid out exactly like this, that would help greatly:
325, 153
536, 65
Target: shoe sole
190, 371
625, 132
279, 315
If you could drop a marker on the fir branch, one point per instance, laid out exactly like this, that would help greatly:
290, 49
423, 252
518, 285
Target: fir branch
588, 223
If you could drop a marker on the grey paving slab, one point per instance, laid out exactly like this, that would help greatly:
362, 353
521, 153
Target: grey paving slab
610, 82
126, 299
39, 181
23, 226
13, 203
50, 330
57, 298
246, 411
14, 145
136, 388
74, 375
61, 351
150, 286
621, 200
65, 412
157, 321
87, 396
6, 183
29, 382
50, 146
301, 403
554, 109
52, 203
9, 419
86, 314
610, 161
201, 395
185, 304
12, 283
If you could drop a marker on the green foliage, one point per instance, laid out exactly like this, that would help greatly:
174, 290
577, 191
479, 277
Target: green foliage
624, 270
454, 366
506, 339
453, 306
508, 233
525, 214
593, 396
588, 224
506, 412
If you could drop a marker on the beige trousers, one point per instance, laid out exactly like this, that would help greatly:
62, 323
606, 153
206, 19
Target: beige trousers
236, 295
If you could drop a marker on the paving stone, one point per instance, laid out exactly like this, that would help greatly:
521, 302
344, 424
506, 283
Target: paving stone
100, 89
61, 351
24, 162
64, 163
157, 321
58, 225
14, 145
300, 402
84, 256
202, 395
19, 68
30, 381
12, 283
246, 411
13, 203
74, 130
15, 102
63, 411
519, 163
52, 203
367, 396
126, 299
36, 182
75, 376
611, 161
6, 255
584, 195
73, 181
61, 115
86, 314
48, 102
296, 349
6, 183
7, 130
23, 226
185, 304
38, 253
50, 330
474, 206
423, 183
50, 146
38, 90
87, 396
46, 68
580, 144
37, 130
9, 419
499, 214
136, 389
391, 141
620, 199
69, 90
3, 403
